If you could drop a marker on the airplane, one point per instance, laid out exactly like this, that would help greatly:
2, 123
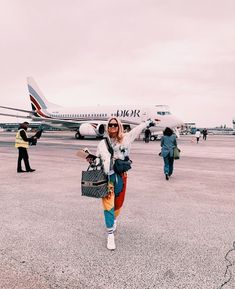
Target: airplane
91, 120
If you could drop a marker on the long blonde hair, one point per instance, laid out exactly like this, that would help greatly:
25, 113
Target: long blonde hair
120, 133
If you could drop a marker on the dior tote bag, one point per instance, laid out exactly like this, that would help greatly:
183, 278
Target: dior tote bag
94, 183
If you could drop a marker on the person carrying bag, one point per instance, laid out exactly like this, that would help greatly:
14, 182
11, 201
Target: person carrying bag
114, 154
94, 182
169, 151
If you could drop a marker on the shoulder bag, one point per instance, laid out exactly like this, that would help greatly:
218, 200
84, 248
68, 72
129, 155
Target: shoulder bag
176, 153
121, 166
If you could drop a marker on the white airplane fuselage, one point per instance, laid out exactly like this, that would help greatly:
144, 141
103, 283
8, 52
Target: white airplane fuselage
91, 121
130, 116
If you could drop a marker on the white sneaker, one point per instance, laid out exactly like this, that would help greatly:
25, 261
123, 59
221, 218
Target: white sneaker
111, 242
114, 226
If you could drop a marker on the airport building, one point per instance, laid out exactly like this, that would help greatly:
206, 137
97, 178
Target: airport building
188, 128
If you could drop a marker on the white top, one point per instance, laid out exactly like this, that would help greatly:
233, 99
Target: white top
198, 133
120, 150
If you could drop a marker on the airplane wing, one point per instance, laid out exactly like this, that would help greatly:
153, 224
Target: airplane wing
82, 125
77, 122
17, 109
16, 115
72, 124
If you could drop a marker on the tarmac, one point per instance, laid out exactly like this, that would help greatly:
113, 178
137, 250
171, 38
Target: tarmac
171, 234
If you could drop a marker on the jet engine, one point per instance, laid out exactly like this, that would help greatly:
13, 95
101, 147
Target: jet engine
90, 129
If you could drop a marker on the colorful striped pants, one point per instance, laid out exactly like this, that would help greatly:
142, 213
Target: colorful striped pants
112, 204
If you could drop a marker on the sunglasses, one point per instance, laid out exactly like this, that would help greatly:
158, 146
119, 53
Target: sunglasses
112, 125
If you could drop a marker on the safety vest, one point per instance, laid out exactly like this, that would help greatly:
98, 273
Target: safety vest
19, 142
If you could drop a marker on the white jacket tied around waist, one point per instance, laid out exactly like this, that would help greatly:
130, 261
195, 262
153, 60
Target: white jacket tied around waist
19, 142
120, 150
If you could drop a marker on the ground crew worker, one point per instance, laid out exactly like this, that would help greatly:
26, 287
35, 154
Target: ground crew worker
22, 143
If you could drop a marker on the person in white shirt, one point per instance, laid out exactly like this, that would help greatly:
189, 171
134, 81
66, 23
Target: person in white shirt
197, 135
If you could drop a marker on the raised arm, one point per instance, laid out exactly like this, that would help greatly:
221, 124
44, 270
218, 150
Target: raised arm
136, 131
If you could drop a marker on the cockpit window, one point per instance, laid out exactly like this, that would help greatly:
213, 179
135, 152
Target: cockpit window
163, 112
163, 109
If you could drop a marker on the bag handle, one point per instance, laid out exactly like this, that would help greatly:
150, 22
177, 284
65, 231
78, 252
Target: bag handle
95, 167
110, 149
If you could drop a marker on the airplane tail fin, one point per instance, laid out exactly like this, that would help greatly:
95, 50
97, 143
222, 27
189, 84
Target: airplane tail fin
38, 101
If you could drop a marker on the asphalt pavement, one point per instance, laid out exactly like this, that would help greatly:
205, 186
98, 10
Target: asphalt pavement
171, 234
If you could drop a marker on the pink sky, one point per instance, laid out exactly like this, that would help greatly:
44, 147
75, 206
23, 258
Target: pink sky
179, 53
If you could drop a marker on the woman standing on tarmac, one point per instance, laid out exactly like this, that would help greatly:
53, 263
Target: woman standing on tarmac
168, 143
120, 143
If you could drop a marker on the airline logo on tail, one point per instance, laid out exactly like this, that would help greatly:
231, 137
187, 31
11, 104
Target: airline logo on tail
37, 103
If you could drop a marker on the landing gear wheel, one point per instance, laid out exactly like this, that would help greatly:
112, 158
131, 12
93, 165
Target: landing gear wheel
78, 136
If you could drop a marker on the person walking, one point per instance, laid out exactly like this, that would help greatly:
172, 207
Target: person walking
22, 143
204, 133
168, 143
197, 135
147, 134
120, 143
